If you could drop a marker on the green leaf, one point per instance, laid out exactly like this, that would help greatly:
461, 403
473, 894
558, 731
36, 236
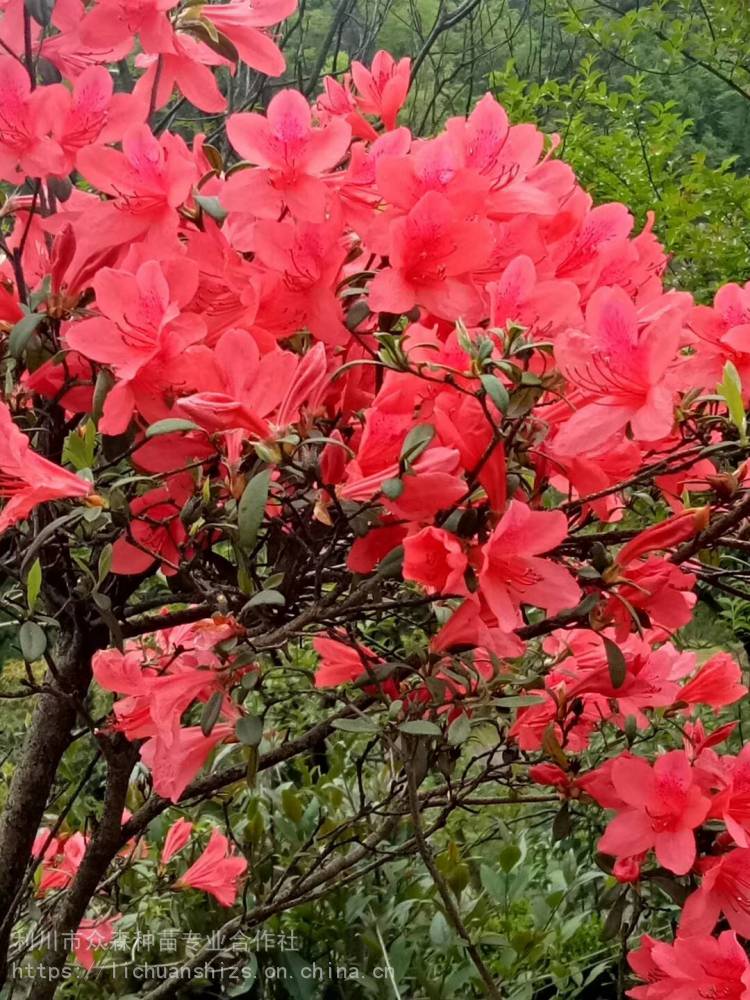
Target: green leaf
561, 825
551, 746
673, 888
211, 206
378, 673
33, 641
170, 426
496, 391
211, 712
440, 933
104, 383
391, 565
21, 332
33, 584
252, 507
517, 701
523, 400
459, 730
613, 921
509, 857
105, 562
359, 725
249, 730
420, 727
493, 883
291, 804
416, 441
356, 314
393, 488
104, 606
40, 10
730, 388
78, 449
272, 597
618, 668
102, 601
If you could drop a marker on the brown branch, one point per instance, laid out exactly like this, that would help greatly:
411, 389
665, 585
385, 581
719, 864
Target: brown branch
121, 757
210, 783
441, 25
715, 530
47, 739
443, 889
304, 889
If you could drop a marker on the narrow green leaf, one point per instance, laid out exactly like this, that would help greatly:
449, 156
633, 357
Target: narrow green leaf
730, 388
251, 508
105, 562
459, 730
551, 746
493, 883
613, 920
250, 680
420, 727
249, 730
496, 391
618, 668
170, 426
33, 584
211, 206
40, 10
358, 725
290, 803
416, 441
356, 314
378, 673
21, 332
517, 701
211, 712
561, 825
104, 607
523, 400
104, 383
268, 597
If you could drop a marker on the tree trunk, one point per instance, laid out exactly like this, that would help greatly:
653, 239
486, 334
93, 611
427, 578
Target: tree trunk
48, 737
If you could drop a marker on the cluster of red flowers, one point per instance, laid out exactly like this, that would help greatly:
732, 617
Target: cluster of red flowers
477, 340
217, 871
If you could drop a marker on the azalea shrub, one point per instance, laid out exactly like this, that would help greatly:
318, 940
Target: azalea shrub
323, 441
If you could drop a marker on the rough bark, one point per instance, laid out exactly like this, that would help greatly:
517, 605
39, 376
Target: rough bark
121, 757
47, 739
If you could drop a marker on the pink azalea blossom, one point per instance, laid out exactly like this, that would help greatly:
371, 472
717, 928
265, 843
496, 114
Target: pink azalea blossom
724, 888
513, 572
291, 156
28, 479
691, 968
383, 87
177, 837
662, 806
217, 871
93, 934
435, 559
